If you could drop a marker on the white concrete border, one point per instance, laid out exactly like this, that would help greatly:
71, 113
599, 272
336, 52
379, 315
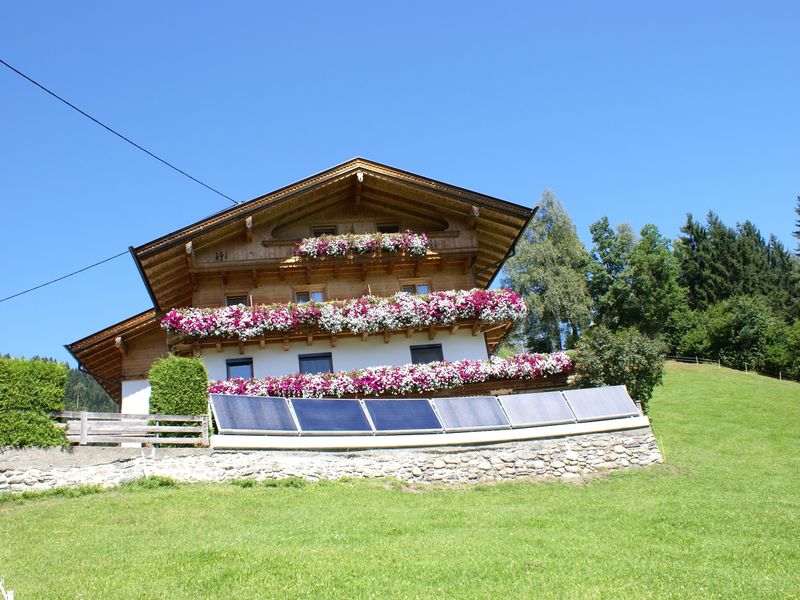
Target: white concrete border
361, 442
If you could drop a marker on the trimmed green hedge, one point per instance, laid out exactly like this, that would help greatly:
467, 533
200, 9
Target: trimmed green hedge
32, 385
29, 389
20, 428
178, 386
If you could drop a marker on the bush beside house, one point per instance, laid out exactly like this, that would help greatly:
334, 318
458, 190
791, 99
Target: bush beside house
29, 389
625, 357
178, 386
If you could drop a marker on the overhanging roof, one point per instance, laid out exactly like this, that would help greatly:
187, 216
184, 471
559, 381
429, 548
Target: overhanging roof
98, 353
163, 265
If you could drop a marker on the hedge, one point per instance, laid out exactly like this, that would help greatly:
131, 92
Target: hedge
20, 428
29, 389
32, 385
178, 386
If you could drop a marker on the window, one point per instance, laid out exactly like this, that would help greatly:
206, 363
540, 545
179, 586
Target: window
388, 228
427, 353
323, 230
304, 296
239, 367
415, 286
234, 300
316, 363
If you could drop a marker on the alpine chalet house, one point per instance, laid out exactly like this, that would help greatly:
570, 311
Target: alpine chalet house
373, 275
339, 235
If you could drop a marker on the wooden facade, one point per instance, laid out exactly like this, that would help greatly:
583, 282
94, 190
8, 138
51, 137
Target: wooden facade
248, 252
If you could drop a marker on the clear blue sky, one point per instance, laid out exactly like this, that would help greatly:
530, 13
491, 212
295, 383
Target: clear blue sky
635, 110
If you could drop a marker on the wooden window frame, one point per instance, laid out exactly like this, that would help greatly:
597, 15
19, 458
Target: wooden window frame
329, 226
238, 362
415, 281
309, 288
248, 299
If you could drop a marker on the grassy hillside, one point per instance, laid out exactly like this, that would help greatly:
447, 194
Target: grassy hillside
721, 520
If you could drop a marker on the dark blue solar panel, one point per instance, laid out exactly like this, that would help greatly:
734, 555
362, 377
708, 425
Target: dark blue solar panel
403, 415
594, 404
251, 413
330, 415
470, 412
544, 408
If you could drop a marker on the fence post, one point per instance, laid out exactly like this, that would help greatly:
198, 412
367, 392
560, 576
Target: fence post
780, 376
84, 428
697, 362
745, 367
719, 364
205, 430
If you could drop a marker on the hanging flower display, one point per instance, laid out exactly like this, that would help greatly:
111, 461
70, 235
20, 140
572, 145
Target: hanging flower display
368, 314
398, 380
413, 244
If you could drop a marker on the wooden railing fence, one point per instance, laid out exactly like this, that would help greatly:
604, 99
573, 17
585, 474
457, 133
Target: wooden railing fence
85, 428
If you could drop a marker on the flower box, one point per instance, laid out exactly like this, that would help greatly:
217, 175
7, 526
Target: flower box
365, 315
413, 244
523, 371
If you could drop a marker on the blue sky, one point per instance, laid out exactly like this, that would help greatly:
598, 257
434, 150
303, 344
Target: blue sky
638, 111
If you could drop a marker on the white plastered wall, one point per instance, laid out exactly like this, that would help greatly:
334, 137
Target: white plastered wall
136, 397
349, 353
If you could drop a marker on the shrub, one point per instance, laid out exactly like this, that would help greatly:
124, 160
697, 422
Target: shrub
151, 482
32, 385
623, 358
247, 482
21, 428
179, 386
290, 482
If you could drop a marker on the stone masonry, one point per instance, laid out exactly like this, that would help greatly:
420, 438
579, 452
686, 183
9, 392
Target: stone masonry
568, 459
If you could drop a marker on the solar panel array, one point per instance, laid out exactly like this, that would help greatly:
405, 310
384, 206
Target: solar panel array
303, 416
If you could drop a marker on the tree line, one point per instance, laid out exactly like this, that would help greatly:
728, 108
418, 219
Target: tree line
716, 291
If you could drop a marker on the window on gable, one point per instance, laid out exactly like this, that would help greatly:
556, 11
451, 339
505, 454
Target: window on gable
388, 228
427, 353
415, 286
239, 367
304, 296
316, 363
234, 300
323, 230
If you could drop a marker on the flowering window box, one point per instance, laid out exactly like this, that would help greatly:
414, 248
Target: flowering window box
358, 316
410, 243
524, 371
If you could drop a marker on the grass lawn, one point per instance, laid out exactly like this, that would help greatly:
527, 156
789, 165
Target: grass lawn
721, 520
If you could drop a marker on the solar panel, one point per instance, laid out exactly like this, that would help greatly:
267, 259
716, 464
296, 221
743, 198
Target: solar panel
323, 415
403, 415
470, 412
544, 408
593, 404
251, 413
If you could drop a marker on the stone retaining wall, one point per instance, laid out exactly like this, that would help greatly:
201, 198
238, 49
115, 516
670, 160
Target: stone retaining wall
569, 459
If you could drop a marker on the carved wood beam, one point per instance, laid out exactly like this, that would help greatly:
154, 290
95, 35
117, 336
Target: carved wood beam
476, 328
453, 328
359, 186
286, 343
218, 346
431, 332
472, 217
333, 341
189, 256
386, 336
248, 229
241, 347
364, 336
121, 346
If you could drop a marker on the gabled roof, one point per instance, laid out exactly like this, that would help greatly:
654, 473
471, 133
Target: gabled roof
164, 269
99, 355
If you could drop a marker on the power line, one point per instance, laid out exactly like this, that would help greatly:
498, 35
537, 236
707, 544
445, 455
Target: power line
116, 133
105, 260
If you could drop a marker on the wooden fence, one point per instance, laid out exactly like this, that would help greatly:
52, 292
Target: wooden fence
746, 367
86, 428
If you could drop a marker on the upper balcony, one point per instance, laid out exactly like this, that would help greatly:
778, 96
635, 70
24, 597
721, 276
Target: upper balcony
491, 312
